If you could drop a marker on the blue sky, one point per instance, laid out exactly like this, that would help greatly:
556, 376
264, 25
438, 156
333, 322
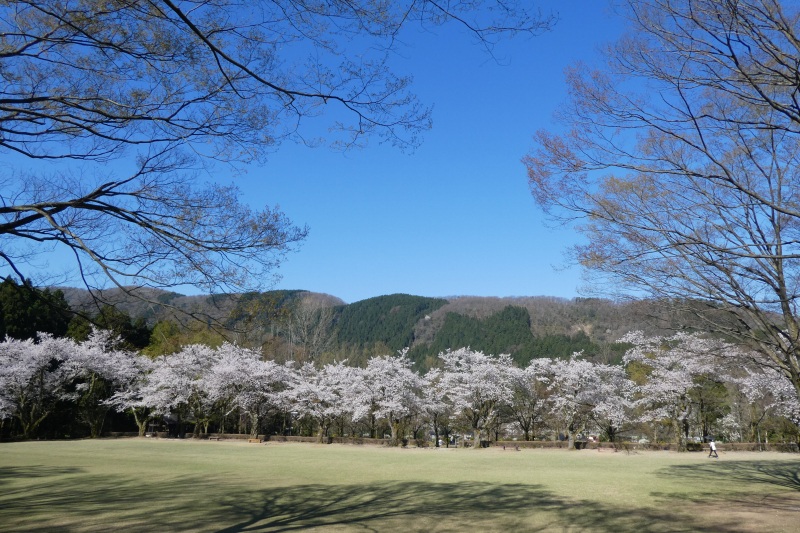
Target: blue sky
455, 217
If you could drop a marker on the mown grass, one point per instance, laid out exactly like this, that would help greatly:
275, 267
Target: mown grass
170, 485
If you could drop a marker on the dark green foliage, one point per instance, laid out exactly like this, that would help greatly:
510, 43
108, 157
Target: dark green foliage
710, 401
262, 308
563, 346
79, 328
457, 331
167, 297
387, 320
507, 331
26, 310
135, 334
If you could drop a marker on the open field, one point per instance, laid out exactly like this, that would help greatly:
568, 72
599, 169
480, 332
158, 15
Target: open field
172, 485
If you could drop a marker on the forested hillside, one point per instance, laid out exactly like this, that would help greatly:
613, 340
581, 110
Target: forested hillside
382, 324
300, 325
506, 331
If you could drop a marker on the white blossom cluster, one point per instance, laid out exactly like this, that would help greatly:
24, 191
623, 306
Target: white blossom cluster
677, 366
231, 387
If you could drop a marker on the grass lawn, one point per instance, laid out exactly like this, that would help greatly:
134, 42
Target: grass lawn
172, 485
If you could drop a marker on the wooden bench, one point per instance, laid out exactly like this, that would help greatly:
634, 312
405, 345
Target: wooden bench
254, 441
214, 438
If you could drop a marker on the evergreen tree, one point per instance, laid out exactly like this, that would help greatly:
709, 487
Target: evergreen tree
26, 310
388, 320
135, 334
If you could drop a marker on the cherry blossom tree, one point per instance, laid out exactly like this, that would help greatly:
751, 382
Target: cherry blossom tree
5, 409
768, 393
322, 394
175, 386
33, 378
437, 405
240, 379
672, 365
97, 368
573, 394
389, 389
477, 385
131, 398
614, 399
529, 397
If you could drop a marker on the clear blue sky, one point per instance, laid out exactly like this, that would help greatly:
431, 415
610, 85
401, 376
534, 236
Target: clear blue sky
455, 217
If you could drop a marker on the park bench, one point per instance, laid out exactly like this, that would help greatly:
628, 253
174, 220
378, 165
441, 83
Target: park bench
214, 438
254, 441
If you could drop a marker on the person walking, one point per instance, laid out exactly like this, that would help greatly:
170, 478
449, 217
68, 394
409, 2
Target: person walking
712, 449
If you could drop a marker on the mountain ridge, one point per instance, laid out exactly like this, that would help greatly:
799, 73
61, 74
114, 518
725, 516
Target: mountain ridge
307, 325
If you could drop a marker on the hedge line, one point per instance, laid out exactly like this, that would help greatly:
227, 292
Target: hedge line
790, 447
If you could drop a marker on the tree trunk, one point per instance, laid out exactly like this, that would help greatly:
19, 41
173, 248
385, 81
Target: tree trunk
323, 432
476, 439
141, 421
680, 441
254, 423
29, 422
96, 425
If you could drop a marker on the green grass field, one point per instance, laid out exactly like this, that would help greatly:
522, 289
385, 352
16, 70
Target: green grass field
171, 485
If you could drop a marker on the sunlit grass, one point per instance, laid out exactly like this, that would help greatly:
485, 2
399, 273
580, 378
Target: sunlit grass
170, 485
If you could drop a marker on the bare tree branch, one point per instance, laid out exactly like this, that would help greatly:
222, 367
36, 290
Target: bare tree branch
681, 162
163, 87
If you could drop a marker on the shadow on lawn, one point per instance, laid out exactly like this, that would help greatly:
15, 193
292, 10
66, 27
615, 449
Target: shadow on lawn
191, 503
784, 474
8, 473
411, 506
769, 489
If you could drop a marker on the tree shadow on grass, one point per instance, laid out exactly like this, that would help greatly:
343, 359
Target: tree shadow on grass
769, 490
8, 473
412, 506
785, 474
83, 502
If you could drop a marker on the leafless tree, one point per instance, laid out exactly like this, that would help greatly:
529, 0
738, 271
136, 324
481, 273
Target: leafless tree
110, 112
310, 326
678, 162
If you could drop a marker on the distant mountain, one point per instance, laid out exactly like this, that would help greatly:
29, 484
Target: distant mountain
380, 325
156, 304
523, 327
305, 325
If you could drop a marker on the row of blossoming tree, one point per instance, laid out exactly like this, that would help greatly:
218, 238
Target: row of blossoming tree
667, 387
